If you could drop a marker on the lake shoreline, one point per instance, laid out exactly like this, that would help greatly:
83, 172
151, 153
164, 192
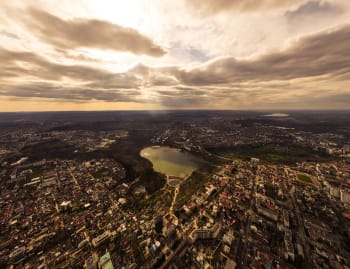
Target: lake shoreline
171, 161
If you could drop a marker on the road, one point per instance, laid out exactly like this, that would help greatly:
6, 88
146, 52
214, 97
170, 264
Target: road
177, 190
74, 179
245, 238
218, 156
301, 229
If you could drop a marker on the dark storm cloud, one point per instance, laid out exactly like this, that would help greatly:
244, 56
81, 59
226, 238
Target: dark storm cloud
325, 53
92, 33
209, 7
312, 9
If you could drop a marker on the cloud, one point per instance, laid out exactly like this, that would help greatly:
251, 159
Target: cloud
8, 34
52, 91
325, 53
20, 64
291, 77
188, 53
209, 7
341, 98
90, 33
186, 101
25, 74
311, 9
117, 81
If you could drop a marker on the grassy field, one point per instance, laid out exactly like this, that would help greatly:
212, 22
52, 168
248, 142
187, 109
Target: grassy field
304, 178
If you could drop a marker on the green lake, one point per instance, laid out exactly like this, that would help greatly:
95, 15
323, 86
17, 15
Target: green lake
171, 161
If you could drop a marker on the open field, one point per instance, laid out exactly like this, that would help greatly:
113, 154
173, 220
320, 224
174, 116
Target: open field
304, 178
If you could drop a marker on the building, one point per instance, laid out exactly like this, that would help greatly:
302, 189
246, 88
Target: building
289, 245
101, 239
65, 205
345, 196
206, 233
268, 213
335, 192
17, 254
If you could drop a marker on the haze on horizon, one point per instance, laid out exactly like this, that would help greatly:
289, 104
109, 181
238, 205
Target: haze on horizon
164, 54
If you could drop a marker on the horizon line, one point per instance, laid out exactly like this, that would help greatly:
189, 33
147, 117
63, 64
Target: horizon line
174, 110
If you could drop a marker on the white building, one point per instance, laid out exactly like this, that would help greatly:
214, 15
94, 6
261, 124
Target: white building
345, 196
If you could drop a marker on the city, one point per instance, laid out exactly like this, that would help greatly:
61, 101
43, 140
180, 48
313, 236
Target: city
187, 134
74, 210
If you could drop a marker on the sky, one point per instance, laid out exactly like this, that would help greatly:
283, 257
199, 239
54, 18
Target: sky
165, 54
